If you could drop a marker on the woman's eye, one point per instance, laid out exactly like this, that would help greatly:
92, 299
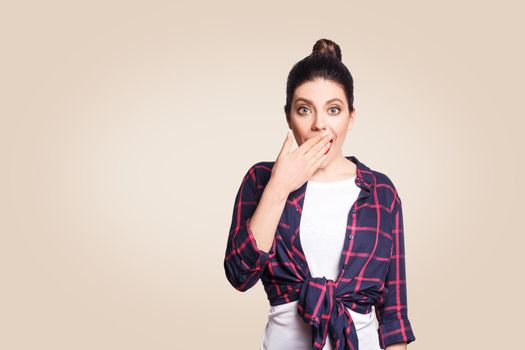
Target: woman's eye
336, 108
302, 108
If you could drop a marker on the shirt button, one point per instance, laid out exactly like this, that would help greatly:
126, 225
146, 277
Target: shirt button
351, 236
243, 277
353, 210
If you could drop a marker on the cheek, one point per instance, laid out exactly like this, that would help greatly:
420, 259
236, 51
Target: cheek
299, 135
340, 136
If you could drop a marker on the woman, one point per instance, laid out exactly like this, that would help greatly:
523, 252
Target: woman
322, 231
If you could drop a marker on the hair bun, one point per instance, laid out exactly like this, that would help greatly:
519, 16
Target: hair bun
327, 46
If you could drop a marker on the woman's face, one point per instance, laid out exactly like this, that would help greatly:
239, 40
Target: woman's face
320, 105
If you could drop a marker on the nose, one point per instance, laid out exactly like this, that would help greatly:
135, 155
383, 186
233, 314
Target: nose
319, 123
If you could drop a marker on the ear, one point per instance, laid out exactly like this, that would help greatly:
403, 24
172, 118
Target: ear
351, 120
288, 120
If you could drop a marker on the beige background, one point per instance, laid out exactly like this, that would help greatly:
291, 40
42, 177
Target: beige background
126, 128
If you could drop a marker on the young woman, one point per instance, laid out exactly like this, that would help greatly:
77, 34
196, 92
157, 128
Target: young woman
322, 231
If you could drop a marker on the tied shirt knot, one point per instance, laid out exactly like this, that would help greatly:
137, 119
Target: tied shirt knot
321, 305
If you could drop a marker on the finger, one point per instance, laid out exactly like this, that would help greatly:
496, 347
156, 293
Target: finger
321, 145
305, 147
317, 152
318, 162
287, 144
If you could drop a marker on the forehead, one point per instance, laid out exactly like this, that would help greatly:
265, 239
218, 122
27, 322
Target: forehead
319, 91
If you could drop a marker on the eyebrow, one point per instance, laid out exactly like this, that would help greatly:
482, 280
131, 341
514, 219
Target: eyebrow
310, 102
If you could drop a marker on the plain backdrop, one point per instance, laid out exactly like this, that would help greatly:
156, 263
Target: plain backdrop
126, 128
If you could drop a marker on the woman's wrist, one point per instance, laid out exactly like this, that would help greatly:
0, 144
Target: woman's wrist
277, 190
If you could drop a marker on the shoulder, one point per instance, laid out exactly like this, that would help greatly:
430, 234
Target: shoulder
263, 166
386, 188
260, 172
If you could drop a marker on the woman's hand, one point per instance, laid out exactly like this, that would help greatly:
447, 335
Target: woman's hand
292, 169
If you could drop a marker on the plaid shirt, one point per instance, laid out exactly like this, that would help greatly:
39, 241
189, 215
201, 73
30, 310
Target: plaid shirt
371, 270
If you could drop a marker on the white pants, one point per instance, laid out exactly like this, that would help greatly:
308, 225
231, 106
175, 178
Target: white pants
286, 330
366, 326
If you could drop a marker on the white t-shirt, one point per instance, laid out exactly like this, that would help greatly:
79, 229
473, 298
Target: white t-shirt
322, 232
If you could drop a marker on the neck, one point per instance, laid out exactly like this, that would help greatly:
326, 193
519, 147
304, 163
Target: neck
339, 168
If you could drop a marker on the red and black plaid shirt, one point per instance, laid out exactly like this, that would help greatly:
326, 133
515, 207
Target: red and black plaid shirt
372, 265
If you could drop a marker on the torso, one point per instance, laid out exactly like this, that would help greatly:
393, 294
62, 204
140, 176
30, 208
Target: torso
322, 234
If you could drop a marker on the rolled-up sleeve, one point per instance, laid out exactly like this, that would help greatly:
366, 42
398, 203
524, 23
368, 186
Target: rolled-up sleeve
392, 313
244, 262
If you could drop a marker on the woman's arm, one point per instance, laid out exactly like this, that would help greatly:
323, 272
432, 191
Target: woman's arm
290, 171
244, 262
394, 325
264, 221
255, 220
252, 231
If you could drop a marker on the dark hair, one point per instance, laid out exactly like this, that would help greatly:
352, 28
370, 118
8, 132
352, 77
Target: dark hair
324, 62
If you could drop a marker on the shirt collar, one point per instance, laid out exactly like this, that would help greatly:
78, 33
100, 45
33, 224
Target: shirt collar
364, 177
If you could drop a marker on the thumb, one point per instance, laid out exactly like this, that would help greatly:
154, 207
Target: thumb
287, 145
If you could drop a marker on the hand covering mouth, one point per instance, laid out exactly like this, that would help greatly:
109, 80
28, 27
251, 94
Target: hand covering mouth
329, 147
